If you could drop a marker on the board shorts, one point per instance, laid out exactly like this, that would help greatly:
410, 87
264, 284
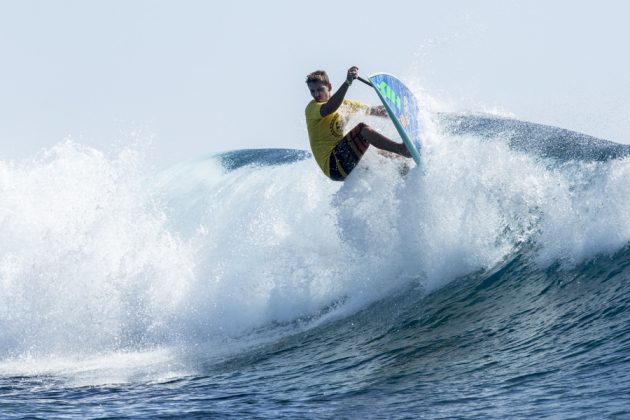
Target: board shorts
347, 153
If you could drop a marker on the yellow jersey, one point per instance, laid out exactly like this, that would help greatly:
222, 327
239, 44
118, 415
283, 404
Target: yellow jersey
325, 133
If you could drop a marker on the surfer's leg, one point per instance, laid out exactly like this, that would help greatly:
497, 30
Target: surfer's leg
347, 153
380, 141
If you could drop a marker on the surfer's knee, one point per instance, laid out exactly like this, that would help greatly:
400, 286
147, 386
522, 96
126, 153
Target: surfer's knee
365, 130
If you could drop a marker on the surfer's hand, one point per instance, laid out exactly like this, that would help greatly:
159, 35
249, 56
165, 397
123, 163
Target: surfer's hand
353, 73
378, 111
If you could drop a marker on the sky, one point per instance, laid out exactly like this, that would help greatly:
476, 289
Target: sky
196, 77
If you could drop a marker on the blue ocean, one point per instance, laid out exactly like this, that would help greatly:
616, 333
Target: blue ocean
492, 281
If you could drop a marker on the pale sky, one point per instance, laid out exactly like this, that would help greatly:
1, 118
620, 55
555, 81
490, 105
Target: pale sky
196, 77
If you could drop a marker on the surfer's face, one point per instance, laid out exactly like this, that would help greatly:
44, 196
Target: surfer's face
320, 91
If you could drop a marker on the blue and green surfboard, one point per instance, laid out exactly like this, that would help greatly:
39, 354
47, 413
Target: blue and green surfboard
402, 107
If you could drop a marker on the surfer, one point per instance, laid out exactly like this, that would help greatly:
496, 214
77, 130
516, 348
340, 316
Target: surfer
326, 116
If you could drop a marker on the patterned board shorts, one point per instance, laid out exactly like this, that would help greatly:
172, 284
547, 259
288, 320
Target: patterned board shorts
347, 153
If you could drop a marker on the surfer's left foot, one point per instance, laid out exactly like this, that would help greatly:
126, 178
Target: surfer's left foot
403, 169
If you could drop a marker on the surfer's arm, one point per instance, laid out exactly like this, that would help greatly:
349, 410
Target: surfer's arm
336, 100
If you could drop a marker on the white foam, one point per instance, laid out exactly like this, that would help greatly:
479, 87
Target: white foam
119, 367
97, 257
86, 262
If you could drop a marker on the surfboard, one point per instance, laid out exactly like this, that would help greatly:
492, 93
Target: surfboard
402, 107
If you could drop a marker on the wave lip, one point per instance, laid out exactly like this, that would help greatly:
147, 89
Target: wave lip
260, 157
542, 140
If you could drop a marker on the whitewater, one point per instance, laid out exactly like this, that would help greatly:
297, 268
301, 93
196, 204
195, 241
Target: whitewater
491, 281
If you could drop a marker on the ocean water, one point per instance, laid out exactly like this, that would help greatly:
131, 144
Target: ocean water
492, 282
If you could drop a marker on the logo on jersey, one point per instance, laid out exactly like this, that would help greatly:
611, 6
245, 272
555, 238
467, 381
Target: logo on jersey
336, 125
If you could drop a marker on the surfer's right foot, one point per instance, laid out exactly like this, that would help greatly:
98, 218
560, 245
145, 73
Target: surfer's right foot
403, 151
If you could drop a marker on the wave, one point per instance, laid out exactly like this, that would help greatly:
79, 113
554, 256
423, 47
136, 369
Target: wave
100, 254
542, 140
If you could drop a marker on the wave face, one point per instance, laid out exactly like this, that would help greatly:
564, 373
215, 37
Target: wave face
490, 282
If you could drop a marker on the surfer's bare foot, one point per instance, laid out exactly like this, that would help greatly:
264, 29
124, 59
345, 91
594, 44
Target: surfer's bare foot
403, 151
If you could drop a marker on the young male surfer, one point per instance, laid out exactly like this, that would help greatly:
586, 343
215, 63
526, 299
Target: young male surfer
326, 116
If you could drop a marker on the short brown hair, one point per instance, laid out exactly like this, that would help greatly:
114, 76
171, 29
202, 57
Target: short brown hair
318, 76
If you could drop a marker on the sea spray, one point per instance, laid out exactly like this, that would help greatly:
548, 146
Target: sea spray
86, 262
99, 254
